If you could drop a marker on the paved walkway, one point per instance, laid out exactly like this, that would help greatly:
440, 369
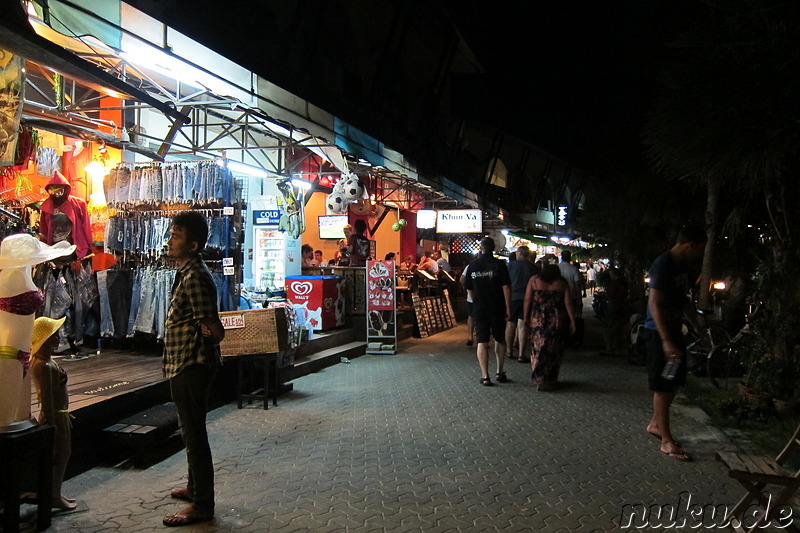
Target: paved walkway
412, 442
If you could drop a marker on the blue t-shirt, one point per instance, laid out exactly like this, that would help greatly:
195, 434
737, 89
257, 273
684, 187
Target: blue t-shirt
664, 274
520, 271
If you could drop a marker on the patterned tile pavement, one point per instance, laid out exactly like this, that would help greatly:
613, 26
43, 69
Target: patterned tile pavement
412, 442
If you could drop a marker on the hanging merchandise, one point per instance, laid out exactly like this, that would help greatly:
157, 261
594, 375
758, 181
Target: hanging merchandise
291, 206
12, 86
354, 190
335, 203
203, 181
48, 161
27, 143
347, 190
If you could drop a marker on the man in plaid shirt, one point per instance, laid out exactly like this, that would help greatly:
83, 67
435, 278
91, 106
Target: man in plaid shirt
191, 359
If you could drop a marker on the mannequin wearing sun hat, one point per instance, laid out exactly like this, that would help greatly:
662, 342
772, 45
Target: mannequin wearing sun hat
51, 386
19, 301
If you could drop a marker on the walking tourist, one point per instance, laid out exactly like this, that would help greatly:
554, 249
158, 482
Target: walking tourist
547, 311
520, 273
490, 287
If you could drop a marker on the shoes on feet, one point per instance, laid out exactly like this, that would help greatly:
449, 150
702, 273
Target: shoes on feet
524, 360
486, 382
501, 377
469, 342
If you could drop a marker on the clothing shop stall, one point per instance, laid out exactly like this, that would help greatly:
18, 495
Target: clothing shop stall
115, 290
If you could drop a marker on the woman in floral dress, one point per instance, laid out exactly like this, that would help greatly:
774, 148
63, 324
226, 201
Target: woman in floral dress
548, 306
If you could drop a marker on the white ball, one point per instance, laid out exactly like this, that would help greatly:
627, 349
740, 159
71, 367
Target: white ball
335, 204
353, 189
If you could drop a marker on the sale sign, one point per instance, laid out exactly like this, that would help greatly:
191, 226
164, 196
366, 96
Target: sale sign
380, 285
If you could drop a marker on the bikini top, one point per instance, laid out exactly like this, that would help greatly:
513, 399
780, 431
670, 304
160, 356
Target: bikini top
22, 304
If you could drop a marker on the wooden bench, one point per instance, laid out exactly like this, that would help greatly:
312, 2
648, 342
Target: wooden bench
770, 485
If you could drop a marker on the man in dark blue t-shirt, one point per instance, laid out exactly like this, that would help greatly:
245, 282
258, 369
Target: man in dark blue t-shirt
520, 272
490, 287
663, 335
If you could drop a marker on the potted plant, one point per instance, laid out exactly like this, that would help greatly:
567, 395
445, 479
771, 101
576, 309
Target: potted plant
761, 376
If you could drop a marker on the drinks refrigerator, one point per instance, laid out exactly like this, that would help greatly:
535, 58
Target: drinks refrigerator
275, 255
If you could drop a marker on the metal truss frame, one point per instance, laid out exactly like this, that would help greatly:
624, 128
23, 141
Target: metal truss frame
213, 126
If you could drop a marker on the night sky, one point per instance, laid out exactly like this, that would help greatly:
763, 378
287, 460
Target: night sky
573, 77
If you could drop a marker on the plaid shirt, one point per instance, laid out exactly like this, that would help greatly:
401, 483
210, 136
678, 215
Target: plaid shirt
194, 297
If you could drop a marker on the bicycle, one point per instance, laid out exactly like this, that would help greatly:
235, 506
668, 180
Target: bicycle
725, 365
698, 347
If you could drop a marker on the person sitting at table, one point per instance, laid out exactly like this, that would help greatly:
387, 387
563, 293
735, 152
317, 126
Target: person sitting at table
427, 264
442, 263
410, 263
307, 253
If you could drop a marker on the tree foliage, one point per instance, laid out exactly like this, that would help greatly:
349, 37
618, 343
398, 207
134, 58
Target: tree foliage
727, 116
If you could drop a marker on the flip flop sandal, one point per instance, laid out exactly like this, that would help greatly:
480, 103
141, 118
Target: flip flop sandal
177, 520
501, 377
656, 435
182, 494
486, 382
678, 456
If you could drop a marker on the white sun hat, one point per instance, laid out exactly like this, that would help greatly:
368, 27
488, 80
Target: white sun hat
21, 250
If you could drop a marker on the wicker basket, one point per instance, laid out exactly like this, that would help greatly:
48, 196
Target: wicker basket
254, 331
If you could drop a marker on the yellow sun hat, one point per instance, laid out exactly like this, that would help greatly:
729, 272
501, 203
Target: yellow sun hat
43, 329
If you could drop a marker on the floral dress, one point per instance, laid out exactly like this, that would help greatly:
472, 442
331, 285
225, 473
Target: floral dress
548, 321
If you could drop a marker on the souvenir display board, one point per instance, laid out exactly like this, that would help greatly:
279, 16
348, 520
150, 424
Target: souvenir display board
381, 307
433, 313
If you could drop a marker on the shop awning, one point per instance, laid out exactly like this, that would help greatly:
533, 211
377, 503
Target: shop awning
537, 238
88, 134
18, 37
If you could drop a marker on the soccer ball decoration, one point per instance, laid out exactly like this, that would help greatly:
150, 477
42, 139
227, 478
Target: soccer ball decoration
335, 202
396, 226
347, 190
354, 190
402, 222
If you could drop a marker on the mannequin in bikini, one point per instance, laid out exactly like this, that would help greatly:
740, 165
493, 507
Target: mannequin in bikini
51, 386
19, 301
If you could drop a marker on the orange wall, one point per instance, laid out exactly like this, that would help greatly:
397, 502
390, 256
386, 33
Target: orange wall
386, 239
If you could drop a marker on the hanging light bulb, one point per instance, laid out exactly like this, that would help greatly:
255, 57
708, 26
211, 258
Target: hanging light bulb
97, 171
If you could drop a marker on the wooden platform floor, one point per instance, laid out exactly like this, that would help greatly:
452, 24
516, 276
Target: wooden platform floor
114, 373
101, 377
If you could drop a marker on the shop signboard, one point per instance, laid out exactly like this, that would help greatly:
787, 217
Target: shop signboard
459, 221
381, 308
266, 217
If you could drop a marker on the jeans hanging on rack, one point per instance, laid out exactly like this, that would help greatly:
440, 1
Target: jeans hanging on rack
136, 294
165, 278
216, 233
106, 321
145, 313
119, 284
